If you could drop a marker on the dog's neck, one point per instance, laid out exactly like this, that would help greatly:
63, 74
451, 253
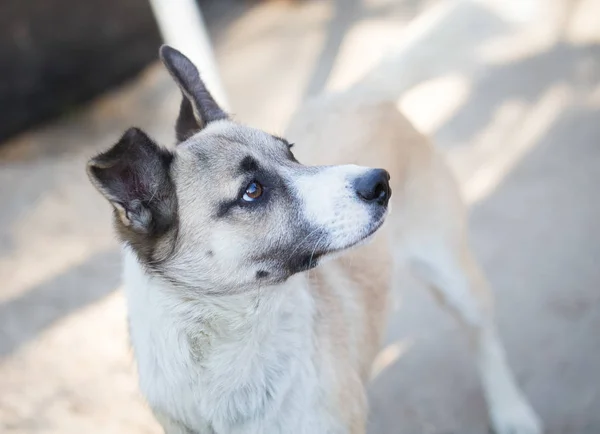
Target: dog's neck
251, 348
255, 310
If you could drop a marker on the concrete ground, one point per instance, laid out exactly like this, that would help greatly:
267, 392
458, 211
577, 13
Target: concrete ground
509, 88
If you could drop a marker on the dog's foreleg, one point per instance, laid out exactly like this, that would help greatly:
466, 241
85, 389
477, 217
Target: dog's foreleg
460, 284
509, 410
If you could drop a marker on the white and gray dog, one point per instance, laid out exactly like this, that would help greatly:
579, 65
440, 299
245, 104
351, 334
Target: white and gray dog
231, 331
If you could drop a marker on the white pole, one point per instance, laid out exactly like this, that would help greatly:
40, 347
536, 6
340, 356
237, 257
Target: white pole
182, 26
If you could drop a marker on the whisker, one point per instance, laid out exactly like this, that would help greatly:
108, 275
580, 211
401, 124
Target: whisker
300, 243
314, 250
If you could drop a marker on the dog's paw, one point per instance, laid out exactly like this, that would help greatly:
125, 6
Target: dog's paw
516, 419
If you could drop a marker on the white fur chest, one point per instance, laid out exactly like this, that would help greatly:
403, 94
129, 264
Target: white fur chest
227, 365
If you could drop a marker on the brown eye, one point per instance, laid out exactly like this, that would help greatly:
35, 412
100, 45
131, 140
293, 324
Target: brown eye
253, 192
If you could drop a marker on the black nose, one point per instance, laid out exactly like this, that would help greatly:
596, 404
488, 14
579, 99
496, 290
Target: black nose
374, 186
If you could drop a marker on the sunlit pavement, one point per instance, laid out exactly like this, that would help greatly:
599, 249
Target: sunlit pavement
510, 89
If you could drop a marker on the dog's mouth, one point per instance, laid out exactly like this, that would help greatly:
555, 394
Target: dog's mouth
311, 261
368, 235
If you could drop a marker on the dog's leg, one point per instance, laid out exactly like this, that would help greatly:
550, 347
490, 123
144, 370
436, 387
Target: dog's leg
460, 284
431, 234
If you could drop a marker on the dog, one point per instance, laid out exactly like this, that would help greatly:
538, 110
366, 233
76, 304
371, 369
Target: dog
258, 286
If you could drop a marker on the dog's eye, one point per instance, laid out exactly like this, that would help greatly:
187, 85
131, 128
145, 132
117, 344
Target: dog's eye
253, 192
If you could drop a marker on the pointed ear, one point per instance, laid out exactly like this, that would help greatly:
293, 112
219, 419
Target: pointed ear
198, 107
134, 176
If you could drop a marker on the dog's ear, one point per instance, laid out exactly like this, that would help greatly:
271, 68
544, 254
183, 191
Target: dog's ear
134, 176
198, 107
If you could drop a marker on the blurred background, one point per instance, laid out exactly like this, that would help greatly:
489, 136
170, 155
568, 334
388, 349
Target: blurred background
509, 89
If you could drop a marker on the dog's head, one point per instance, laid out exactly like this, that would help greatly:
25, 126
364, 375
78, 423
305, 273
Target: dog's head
230, 208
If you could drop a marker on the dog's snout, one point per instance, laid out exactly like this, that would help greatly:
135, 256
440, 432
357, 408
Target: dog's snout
374, 186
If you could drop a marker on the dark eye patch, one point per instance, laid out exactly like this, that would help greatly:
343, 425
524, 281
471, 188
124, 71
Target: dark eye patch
224, 207
248, 165
250, 170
